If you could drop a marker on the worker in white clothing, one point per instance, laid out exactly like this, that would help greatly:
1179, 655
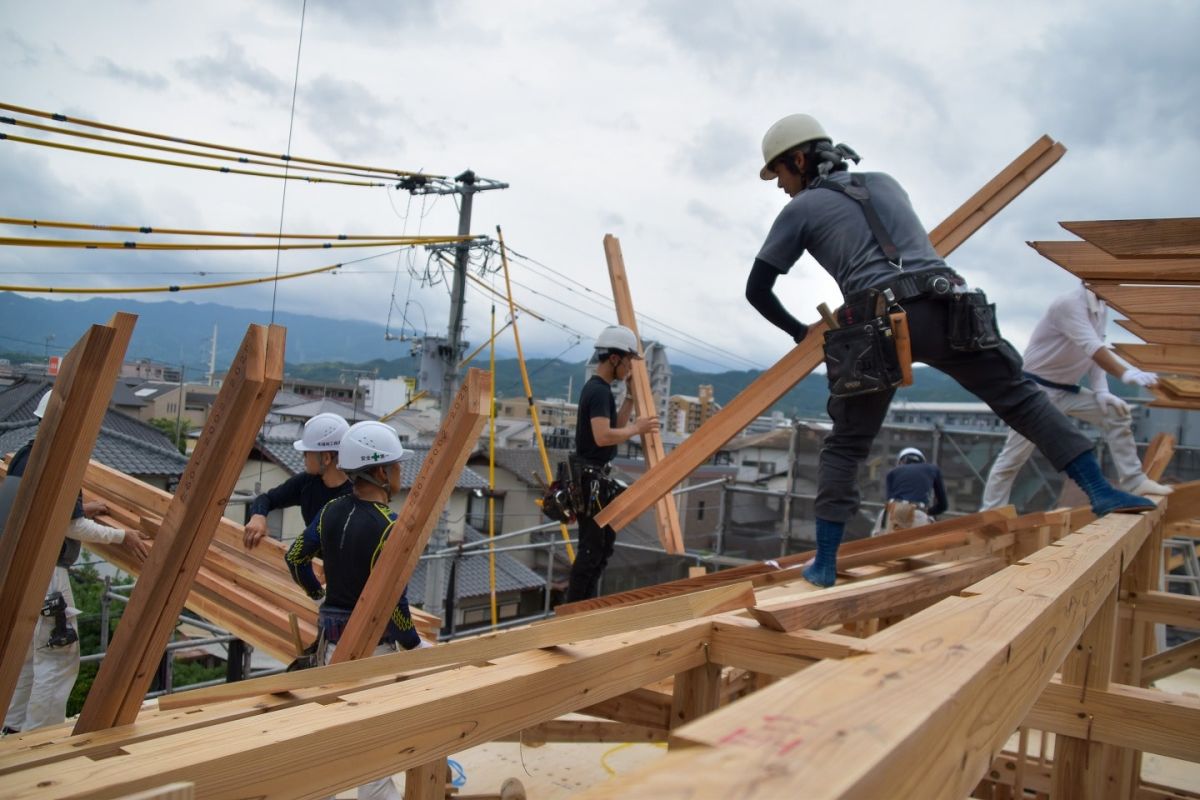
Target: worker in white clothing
52, 661
1067, 343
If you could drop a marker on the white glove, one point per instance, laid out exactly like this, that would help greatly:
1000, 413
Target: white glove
422, 645
1136, 377
1112, 405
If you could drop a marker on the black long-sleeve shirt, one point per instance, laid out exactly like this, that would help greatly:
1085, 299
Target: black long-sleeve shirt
304, 490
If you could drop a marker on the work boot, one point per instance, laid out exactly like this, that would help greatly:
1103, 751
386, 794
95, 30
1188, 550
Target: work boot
1104, 497
822, 570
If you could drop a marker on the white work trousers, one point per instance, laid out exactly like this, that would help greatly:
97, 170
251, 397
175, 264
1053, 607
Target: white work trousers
48, 673
384, 788
1118, 434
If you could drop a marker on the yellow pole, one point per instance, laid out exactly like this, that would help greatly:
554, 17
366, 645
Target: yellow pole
492, 476
537, 427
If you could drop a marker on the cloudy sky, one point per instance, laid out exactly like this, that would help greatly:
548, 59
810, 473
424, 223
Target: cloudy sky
640, 119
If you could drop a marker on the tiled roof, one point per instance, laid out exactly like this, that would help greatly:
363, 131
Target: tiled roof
472, 575
281, 452
523, 462
310, 408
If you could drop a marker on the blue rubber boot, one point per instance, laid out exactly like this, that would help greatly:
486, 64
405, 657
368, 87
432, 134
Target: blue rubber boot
822, 571
1105, 498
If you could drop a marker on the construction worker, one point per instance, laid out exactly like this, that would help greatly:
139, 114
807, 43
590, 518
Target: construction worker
52, 660
915, 491
599, 428
1067, 343
320, 482
348, 533
861, 228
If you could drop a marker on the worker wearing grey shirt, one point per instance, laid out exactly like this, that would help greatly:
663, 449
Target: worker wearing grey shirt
826, 218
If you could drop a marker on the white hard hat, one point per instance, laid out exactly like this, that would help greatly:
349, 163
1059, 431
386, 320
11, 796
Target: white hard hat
910, 452
618, 337
40, 411
791, 131
369, 444
322, 433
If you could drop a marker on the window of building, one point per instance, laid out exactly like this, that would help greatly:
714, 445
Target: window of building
700, 510
477, 510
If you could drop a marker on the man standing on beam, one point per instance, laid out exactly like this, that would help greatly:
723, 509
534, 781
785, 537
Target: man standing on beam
861, 228
1067, 343
600, 427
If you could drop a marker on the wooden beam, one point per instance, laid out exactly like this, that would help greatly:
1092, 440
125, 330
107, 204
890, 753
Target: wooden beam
851, 602
752, 401
187, 530
1162, 608
1142, 238
1181, 322
314, 750
41, 509
1159, 453
641, 706
697, 692
1160, 335
1171, 661
898, 544
1125, 716
1183, 504
666, 515
996, 194
1133, 301
430, 491
486, 647
427, 781
1090, 263
1165, 357
742, 643
943, 689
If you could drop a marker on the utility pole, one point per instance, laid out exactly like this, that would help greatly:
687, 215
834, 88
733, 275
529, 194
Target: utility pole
465, 185
212, 356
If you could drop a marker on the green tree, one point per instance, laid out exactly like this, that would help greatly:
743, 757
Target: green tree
176, 432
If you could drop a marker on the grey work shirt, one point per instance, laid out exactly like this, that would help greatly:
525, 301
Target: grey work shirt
834, 229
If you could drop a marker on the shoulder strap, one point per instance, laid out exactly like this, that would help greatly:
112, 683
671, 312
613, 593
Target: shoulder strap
858, 191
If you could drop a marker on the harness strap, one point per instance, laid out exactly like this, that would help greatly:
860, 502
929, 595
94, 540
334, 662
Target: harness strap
858, 192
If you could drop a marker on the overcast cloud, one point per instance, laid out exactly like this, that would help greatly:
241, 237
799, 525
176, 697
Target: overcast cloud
640, 119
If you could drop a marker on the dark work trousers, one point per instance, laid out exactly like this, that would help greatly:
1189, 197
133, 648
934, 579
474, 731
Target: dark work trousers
994, 376
595, 548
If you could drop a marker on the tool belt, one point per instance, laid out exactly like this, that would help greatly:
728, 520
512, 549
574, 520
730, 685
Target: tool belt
597, 486
331, 624
561, 500
861, 355
973, 323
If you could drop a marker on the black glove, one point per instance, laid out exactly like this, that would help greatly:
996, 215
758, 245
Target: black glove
799, 337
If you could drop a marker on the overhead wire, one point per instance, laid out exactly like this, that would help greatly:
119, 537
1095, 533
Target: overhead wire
287, 166
229, 148
15, 241
21, 123
156, 229
173, 163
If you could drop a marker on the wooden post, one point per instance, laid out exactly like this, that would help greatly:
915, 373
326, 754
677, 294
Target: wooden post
1083, 769
186, 532
426, 782
430, 491
697, 692
41, 510
1158, 455
665, 513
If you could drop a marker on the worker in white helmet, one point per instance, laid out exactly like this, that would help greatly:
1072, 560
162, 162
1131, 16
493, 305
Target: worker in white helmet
52, 660
600, 427
861, 228
320, 482
915, 491
348, 533
1067, 343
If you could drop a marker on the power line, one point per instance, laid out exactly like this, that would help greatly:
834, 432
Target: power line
15, 241
155, 229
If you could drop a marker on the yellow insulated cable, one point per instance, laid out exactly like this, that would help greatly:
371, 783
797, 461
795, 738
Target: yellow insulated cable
149, 229
15, 241
96, 137
33, 112
537, 426
151, 289
171, 163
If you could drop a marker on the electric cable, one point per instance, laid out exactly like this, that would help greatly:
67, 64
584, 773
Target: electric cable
180, 140
172, 163
287, 166
14, 241
21, 123
153, 229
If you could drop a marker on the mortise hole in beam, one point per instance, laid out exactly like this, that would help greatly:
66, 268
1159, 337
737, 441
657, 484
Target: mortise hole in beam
327, 701
967, 593
100, 755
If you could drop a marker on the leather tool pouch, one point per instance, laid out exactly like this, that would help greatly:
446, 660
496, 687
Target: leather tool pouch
973, 323
862, 359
